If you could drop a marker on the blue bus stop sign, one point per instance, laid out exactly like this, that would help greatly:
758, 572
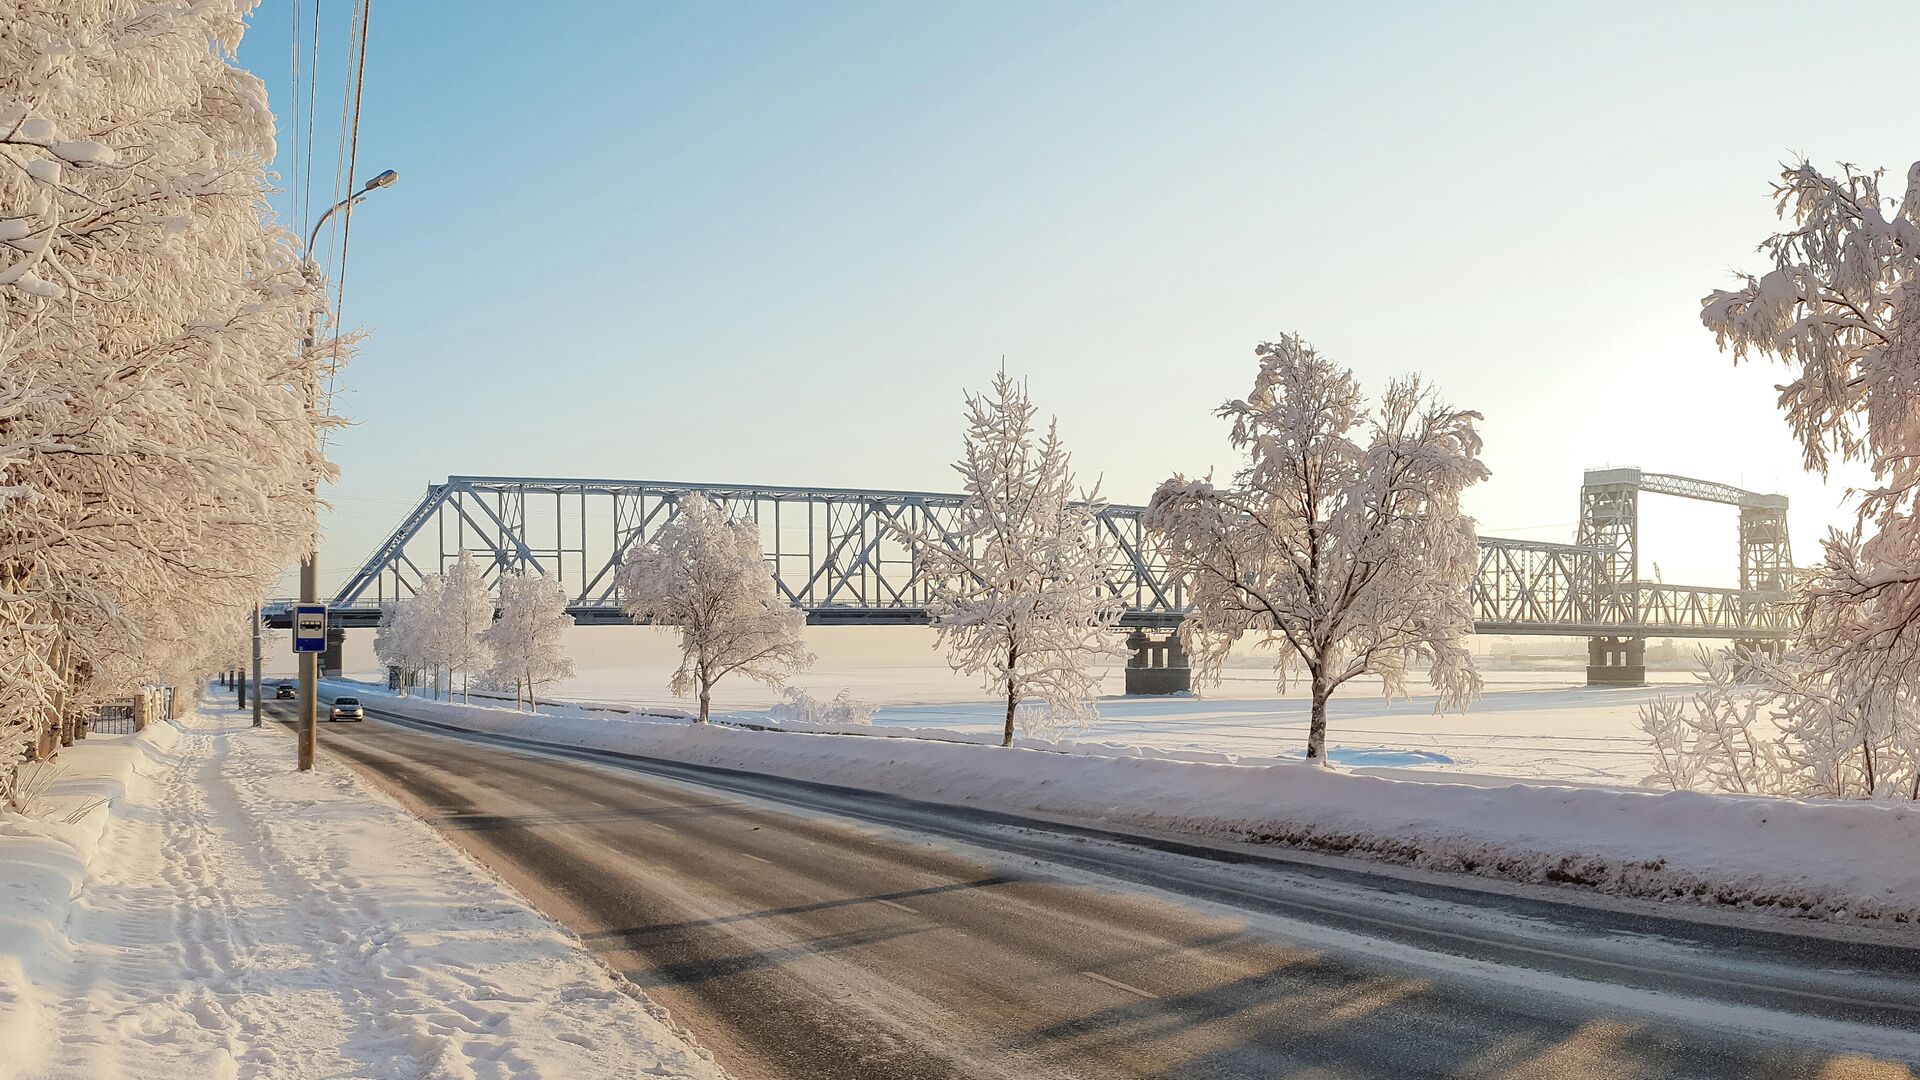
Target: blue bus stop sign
309, 628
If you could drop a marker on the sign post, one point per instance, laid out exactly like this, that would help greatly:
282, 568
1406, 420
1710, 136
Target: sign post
309, 641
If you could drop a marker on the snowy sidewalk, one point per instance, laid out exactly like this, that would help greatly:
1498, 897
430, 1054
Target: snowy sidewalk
240, 919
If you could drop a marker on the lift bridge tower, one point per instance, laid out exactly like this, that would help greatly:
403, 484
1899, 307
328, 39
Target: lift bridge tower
1610, 525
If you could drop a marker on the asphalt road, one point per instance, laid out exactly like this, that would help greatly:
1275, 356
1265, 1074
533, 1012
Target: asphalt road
808, 932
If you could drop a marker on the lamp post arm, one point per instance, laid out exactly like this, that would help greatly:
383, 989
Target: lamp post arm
315, 234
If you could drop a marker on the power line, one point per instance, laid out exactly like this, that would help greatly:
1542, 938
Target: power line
358, 85
313, 75
293, 109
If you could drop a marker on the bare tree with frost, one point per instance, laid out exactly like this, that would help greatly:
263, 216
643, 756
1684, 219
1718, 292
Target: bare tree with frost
1018, 589
705, 575
1840, 309
1340, 541
528, 643
157, 433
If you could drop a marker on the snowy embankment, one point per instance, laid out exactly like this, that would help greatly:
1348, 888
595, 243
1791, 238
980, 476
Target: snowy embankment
186, 904
1832, 859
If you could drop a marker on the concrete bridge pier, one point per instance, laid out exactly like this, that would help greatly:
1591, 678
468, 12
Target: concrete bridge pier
1616, 661
332, 661
1157, 667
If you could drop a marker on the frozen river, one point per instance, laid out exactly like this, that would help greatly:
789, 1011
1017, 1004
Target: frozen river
1543, 725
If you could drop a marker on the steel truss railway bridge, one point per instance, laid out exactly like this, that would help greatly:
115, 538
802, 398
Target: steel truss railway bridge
843, 556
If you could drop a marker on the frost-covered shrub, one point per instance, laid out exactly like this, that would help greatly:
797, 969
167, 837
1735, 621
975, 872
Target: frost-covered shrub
1787, 726
796, 706
1037, 721
1717, 739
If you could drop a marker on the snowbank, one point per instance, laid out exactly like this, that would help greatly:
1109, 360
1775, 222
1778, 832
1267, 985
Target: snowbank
45, 859
1833, 859
230, 917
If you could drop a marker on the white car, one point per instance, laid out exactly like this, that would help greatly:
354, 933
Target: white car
347, 708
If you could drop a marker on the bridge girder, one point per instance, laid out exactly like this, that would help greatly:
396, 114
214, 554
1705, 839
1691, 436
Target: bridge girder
839, 554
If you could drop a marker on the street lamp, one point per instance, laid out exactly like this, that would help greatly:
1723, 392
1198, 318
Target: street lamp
384, 179
310, 566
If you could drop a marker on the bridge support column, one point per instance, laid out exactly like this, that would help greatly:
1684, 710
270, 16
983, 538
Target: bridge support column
1157, 667
333, 659
1616, 661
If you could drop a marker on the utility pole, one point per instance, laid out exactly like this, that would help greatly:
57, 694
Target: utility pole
309, 671
256, 664
310, 565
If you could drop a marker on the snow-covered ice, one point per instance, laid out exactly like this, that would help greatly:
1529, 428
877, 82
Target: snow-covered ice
224, 916
1537, 725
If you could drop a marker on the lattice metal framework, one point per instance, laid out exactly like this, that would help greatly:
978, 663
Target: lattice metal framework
1610, 523
1766, 552
1521, 585
838, 553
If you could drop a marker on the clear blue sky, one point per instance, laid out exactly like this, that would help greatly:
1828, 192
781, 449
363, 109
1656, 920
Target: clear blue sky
774, 242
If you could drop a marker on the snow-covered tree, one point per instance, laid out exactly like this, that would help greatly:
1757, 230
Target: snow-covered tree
399, 642
1340, 540
706, 576
1018, 587
158, 437
465, 612
528, 643
1840, 309
419, 618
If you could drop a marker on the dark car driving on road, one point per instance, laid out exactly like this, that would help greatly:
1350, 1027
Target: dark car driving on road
283, 692
347, 708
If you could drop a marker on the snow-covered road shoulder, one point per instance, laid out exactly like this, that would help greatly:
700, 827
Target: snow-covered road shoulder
231, 917
1794, 856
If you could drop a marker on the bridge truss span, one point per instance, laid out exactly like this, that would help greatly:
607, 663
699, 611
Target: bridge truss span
843, 555
1523, 584
846, 556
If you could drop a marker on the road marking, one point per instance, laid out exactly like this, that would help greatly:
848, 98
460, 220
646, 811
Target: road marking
891, 904
657, 825
756, 858
1118, 985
